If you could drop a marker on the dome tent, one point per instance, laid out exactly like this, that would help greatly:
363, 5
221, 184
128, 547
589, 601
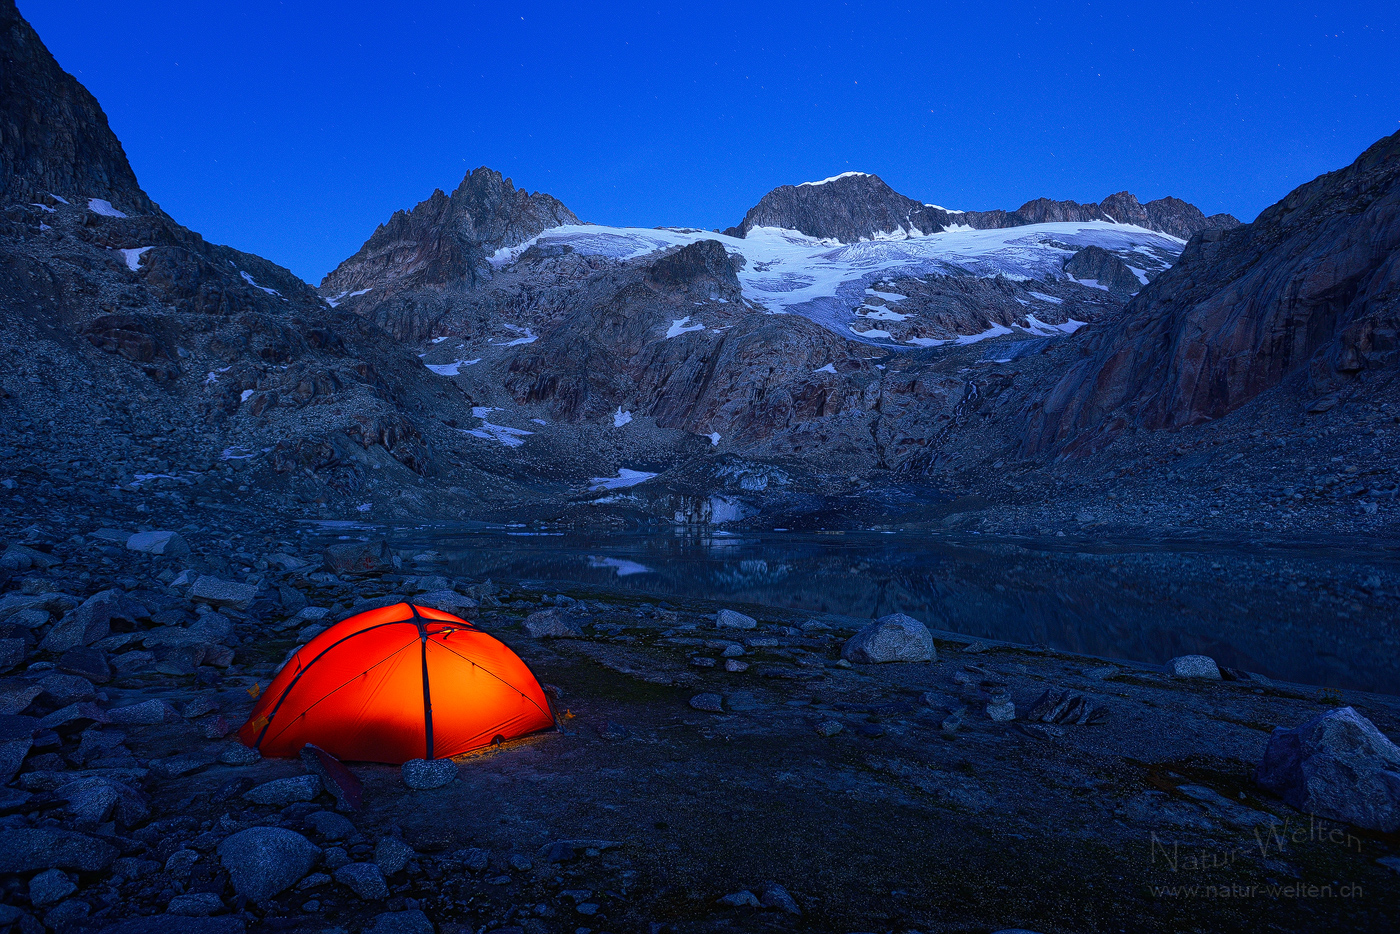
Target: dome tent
398, 683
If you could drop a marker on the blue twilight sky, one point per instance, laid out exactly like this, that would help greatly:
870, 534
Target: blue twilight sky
291, 129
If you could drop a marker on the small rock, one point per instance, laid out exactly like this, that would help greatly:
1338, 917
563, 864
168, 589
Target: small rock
265, 861
50, 886
166, 544
732, 651
730, 619
775, 896
178, 864
829, 728
12, 652
892, 638
425, 774
364, 879
1101, 674
284, 791
474, 858
330, 825
391, 855
216, 592
1194, 666
1001, 709
1336, 765
195, 904
520, 862
700, 661
742, 899
952, 722
733, 664
552, 624
711, 703
401, 922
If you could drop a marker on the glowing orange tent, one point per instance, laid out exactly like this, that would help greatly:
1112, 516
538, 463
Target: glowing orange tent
398, 683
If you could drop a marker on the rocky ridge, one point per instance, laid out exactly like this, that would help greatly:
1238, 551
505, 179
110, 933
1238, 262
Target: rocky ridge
858, 206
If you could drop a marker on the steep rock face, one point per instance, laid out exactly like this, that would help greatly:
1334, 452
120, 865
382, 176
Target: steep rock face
1311, 286
54, 137
703, 269
850, 207
447, 238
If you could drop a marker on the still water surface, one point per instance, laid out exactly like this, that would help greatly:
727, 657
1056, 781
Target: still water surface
1295, 612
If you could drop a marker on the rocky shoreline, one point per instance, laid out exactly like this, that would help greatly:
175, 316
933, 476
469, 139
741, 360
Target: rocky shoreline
717, 766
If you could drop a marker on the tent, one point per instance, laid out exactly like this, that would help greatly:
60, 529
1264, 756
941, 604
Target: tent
398, 683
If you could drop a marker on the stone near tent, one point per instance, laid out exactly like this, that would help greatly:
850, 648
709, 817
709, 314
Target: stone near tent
216, 592
1199, 667
1336, 765
731, 619
349, 794
284, 791
552, 624
892, 638
163, 544
265, 861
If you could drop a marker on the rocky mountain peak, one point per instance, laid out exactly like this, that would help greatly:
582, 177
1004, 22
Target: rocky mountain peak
54, 137
848, 207
448, 238
857, 206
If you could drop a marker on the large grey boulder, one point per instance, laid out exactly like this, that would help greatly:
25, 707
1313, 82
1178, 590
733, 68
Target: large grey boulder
264, 861
391, 855
165, 544
1336, 765
892, 638
1199, 667
732, 619
25, 849
552, 624
217, 592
